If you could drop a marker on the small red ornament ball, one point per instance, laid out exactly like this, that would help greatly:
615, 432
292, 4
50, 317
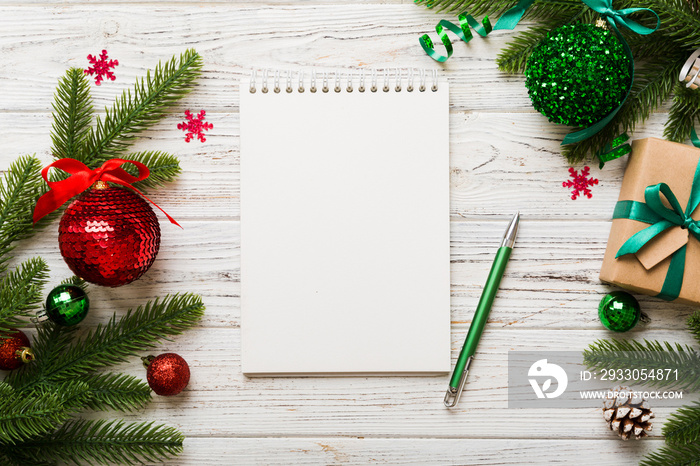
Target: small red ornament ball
14, 350
167, 374
109, 236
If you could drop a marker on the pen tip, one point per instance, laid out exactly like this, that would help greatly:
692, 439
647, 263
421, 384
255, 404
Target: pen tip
511, 232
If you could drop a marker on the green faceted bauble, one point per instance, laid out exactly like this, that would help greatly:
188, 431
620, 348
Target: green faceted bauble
619, 311
578, 74
67, 305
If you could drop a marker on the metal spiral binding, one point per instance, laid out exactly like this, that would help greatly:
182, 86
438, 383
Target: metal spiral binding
277, 82
346, 81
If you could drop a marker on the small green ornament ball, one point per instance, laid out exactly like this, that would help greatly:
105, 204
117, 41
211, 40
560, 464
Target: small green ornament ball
619, 311
577, 74
67, 305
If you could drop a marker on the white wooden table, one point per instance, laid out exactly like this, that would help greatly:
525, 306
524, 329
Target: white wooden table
504, 157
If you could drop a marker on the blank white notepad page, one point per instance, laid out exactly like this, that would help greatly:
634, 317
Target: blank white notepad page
345, 264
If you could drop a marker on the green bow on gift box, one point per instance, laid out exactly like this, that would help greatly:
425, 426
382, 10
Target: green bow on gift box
661, 218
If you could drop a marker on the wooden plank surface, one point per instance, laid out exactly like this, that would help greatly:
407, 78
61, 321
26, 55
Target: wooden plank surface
504, 157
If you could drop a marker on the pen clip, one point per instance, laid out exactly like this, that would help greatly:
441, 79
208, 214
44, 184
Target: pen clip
453, 393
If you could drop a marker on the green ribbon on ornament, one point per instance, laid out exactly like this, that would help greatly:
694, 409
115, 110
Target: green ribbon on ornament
614, 17
694, 137
509, 20
619, 17
661, 218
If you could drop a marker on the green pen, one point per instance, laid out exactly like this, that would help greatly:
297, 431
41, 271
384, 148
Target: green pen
459, 376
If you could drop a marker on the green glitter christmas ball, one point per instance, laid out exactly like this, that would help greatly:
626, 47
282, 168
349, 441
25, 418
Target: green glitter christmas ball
619, 311
67, 305
577, 74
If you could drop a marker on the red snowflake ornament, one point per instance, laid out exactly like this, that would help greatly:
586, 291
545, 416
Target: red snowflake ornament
101, 67
580, 182
195, 126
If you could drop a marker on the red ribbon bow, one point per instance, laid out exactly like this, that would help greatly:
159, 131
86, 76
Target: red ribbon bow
82, 178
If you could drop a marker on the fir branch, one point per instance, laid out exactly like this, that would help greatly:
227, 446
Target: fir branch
72, 114
686, 455
622, 354
683, 426
33, 413
50, 342
6, 390
473, 7
19, 190
113, 343
120, 392
650, 46
7, 457
163, 168
21, 292
513, 58
679, 21
694, 325
102, 442
541, 9
133, 113
76, 281
653, 84
684, 113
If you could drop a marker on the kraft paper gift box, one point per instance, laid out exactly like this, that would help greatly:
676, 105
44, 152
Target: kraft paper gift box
654, 161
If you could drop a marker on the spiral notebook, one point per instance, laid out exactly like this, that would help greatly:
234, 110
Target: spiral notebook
345, 234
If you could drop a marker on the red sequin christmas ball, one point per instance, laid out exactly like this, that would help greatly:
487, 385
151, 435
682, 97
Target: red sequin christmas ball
168, 373
14, 350
109, 236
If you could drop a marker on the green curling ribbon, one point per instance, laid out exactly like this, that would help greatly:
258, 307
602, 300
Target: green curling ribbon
614, 150
509, 20
462, 31
654, 212
614, 17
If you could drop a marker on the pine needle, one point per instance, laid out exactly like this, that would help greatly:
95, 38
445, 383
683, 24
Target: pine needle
72, 114
21, 292
684, 114
687, 455
104, 442
6, 390
50, 343
31, 413
683, 426
120, 392
19, 190
680, 22
622, 354
76, 281
513, 58
163, 167
694, 325
541, 9
135, 111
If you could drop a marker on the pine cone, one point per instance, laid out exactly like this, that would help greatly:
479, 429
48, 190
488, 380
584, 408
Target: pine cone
627, 415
